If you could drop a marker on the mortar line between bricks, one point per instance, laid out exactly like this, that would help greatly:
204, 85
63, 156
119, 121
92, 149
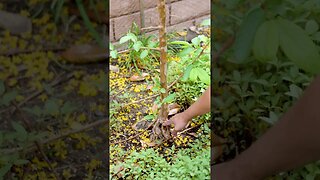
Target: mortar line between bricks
133, 12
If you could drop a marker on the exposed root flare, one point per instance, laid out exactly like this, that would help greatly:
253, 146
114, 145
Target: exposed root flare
159, 132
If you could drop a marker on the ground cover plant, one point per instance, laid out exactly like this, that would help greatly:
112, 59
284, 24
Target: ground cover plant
266, 55
53, 110
135, 103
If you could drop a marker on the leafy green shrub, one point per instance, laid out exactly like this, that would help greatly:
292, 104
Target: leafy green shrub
251, 97
190, 163
194, 63
142, 48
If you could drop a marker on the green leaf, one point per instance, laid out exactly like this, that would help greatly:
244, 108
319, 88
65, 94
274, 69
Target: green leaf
245, 36
129, 36
193, 75
3, 170
19, 129
124, 39
76, 125
266, 42
312, 26
298, 47
137, 45
58, 10
149, 117
114, 54
295, 91
273, 117
88, 23
185, 51
169, 98
144, 54
68, 107
2, 87
132, 37
8, 97
35, 110
152, 44
205, 22
111, 46
196, 41
203, 76
316, 36
162, 90
187, 73
155, 89
184, 44
21, 162
51, 107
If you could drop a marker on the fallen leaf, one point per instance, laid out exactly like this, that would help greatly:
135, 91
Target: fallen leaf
114, 68
149, 144
135, 77
173, 111
173, 108
143, 124
15, 23
193, 28
149, 87
182, 33
85, 53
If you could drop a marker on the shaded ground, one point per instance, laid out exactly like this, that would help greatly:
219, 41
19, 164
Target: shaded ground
60, 105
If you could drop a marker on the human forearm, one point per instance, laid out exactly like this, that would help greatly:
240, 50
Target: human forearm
290, 143
201, 106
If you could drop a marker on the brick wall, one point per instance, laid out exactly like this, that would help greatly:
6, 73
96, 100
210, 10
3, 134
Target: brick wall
180, 14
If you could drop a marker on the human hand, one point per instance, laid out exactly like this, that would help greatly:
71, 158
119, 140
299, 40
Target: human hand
179, 121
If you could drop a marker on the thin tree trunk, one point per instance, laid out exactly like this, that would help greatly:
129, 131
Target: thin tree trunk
163, 58
159, 131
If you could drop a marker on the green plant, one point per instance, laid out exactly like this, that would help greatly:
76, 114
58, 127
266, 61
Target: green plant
268, 52
142, 48
273, 25
88, 23
192, 64
191, 163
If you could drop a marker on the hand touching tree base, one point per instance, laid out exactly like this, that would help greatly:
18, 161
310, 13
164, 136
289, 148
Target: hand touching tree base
200, 107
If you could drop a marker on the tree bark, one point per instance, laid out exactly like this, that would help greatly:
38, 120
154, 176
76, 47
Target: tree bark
159, 131
163, 58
